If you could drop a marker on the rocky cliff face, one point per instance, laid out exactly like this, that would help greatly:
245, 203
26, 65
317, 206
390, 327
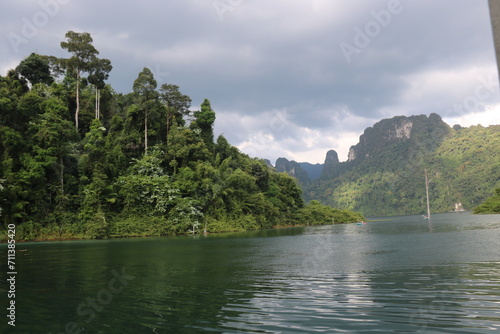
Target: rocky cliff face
268, 163
385, 171
302, 171
332, 158
292, 168
397, 130
331, 164
402, 134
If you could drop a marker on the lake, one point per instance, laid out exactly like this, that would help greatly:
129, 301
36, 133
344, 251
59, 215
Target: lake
392, 275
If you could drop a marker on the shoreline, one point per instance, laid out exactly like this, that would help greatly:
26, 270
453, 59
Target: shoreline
169, 235
73, 238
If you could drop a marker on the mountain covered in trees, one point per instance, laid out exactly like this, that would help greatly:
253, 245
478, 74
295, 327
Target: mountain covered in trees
78, 160
384, 173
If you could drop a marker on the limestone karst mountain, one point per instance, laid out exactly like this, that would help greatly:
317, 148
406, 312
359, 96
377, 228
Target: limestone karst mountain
384, 172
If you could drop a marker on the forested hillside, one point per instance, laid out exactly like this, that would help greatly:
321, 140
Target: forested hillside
78, 160
384, 174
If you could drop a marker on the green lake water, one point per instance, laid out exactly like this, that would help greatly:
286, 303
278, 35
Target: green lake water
392, 275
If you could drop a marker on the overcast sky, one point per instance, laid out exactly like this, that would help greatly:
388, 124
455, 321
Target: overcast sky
287, 78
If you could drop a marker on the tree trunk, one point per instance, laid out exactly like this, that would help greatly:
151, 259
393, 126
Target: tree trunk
77, 97
61, 178
146, 133
168, 128
96, 103
99, 102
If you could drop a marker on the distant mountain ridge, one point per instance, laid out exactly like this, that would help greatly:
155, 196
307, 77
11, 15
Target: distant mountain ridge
302, 171
313, 171
384, 171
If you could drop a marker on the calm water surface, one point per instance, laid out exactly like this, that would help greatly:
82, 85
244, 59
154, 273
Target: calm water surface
393, 275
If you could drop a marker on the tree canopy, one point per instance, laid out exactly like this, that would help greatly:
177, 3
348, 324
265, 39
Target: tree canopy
84, 60
138, 164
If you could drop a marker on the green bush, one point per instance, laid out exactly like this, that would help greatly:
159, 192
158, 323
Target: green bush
315, 214
490, 205
141, 226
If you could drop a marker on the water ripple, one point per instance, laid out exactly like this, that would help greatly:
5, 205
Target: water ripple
372, 302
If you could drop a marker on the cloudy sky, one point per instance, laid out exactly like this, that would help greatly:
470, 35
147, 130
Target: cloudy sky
287, 78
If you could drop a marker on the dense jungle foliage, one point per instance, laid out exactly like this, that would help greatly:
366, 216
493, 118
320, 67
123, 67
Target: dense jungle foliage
78, 160
385, 175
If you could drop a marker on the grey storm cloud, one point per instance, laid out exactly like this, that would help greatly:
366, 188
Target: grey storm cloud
295, 77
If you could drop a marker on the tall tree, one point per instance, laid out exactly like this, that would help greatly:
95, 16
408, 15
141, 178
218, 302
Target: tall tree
146, 98
177, 104
11, 91
51, 137
204, 120
82, 61
99, 73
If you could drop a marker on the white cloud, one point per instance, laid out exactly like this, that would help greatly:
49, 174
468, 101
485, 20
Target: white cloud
4, 68
491, 116
263, 56
279, 133
449, 92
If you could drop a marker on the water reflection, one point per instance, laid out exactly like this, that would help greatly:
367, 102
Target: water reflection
424, 299
394, 275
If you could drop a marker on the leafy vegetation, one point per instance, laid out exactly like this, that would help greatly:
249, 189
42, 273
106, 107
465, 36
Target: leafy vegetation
490, 205
315, 213
78, 160
385, 175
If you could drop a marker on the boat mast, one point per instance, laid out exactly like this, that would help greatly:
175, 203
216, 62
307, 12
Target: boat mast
427, 194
